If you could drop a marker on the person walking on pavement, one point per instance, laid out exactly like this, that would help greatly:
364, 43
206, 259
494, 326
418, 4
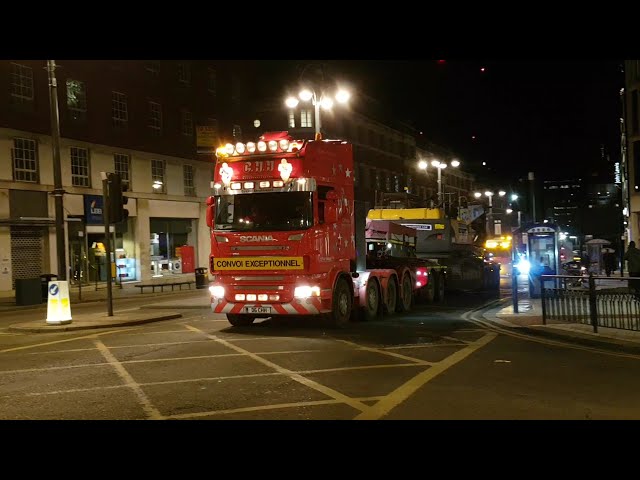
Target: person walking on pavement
632, 256
609, 262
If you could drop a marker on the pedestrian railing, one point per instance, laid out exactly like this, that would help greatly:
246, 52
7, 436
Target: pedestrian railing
593, 300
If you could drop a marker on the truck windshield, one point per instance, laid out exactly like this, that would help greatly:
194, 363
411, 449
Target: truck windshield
276, 211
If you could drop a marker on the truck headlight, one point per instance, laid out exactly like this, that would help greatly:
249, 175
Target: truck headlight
306, 292
216, 291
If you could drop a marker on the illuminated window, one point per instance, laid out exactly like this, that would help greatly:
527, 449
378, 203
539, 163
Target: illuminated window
292, 119
76, 99
157, 176
306, 118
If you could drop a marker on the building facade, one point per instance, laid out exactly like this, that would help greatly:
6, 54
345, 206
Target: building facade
139, 119
630, 143
387, 154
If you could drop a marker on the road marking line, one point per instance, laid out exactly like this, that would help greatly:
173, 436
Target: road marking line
90, 336
151, 412
262, 408
400, 394
385, 352
364, 367
294, 376
150, 360
422, 345
116, 346
165, 382
457, 340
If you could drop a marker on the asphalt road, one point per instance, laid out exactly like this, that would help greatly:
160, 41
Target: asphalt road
435, 362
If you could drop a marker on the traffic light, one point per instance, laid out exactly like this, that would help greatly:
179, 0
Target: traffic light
117, 201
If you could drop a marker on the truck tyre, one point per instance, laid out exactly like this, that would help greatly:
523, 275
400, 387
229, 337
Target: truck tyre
342, 304
371, 300
439, 288
406, 294
428, 292
240, 320
392, 296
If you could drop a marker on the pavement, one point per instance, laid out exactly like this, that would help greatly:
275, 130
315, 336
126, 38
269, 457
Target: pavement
529, 320
159, 308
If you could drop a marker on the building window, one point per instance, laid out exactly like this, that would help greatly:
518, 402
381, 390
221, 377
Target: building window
187, 123
155, 118
237, 133
212, 81
77, 99
292, 119
387, 182
80, 174
235, 89
122, 165
635, 118
189, 188
153, 67
21, 83
378, 181
25, 160
306, 118
119, 109
157, 176
184, 73
213, 122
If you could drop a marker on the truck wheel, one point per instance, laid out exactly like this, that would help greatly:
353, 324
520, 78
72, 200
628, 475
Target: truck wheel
392, 296
428, 292
341, 305
406, 295
439, 288
371, 300
239, 320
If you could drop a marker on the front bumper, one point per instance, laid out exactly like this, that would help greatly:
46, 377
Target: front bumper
307, 306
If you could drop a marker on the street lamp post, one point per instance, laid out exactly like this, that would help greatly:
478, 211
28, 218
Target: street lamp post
58, 190
441, 166
490, 213
324, 101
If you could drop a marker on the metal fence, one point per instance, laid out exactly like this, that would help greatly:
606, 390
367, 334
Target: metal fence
597, 301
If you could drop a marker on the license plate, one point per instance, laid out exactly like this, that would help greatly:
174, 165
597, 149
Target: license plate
257, 310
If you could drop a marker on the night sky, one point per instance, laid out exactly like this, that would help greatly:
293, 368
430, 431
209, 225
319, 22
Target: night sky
550, 117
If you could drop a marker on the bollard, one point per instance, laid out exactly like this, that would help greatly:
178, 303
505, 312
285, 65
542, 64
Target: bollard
593, 305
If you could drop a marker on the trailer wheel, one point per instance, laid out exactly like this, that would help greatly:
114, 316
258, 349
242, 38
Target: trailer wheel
406, 295
428, 292
240, 320
371, 300
439, 288
392, 296
341, 305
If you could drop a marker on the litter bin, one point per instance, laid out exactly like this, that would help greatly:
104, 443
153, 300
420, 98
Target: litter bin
201, 277
45, 278
28, 291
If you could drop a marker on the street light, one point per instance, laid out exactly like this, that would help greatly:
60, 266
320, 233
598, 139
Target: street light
441, 166
324, 101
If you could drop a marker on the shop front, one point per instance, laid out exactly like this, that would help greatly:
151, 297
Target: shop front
172, 246
123, 245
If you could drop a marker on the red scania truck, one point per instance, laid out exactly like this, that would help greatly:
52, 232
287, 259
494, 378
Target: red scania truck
287, 237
